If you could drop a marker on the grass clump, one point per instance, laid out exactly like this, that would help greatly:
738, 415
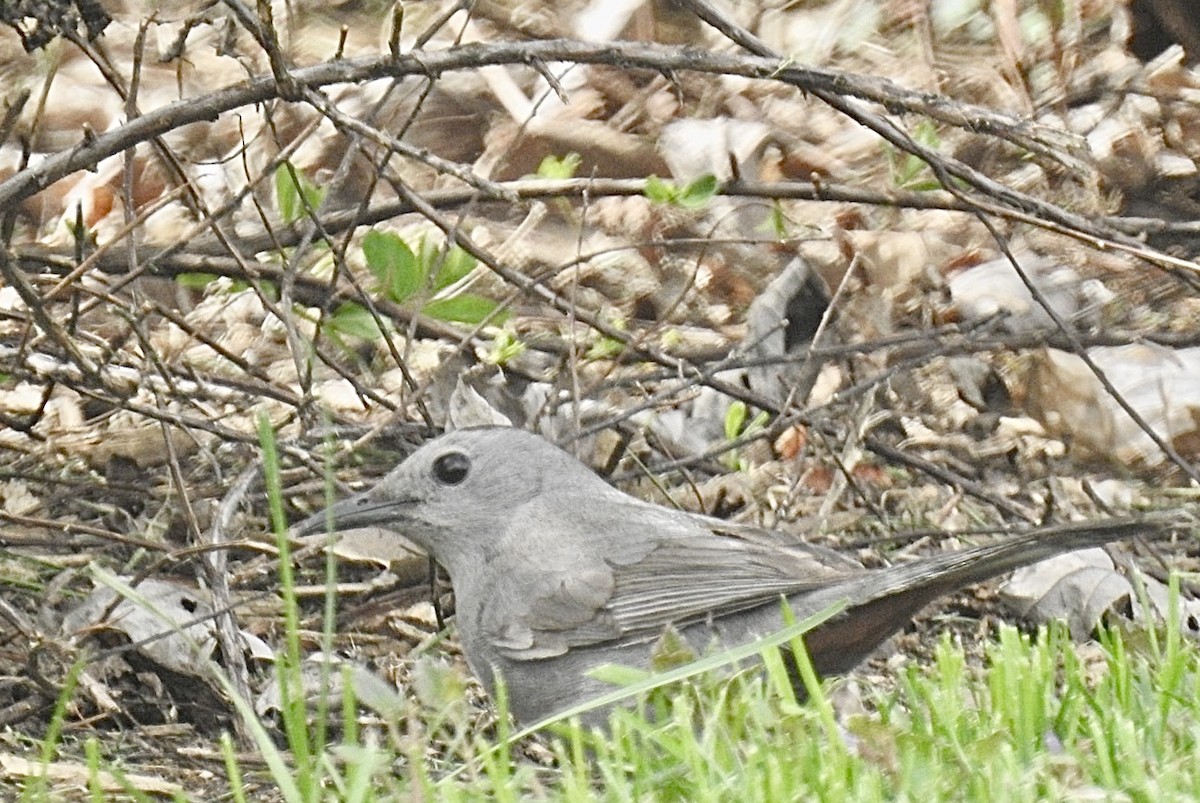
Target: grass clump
1036, 722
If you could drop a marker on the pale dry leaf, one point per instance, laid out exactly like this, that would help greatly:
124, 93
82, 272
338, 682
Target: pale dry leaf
693, 148
10, 300
177, 630
133, 437
1161, 384
81, 776
1159, 597
1082, 587
321, 679
779, 321
1078, 587
1116, 494
23, 399
339, 395
891, 259
993, 287
603, 20
375, 693
17, 500
65, 409
376, 545
169, 634
468, 408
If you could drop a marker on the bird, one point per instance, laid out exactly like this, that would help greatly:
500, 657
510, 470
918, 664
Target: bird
555, 572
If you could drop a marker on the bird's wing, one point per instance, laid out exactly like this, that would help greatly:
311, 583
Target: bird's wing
639, 568
646, 568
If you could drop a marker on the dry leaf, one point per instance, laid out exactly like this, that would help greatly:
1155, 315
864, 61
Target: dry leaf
1082, 587
176, 631
1161, 384
892, 259
994, 287
376, 545
468, 408
80, 776
1078, 587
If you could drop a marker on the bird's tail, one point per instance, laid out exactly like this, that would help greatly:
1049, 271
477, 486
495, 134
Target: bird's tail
880, 602
953, 570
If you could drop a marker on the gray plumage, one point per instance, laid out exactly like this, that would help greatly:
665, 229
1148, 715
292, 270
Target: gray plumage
556, 572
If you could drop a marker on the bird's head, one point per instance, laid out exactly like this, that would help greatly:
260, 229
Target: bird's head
457, 493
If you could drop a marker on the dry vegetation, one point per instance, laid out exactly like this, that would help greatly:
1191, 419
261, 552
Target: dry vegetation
945, 247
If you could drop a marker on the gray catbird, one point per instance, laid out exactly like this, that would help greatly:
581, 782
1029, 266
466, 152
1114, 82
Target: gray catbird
555, 572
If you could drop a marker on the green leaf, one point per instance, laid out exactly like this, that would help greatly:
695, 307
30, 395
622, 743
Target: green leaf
604, 348
195, 281
294, 191
735, 416
201, 281
926, 132
912, 168
287, 195
928, 185
910, 171
659, 191
394, 264
465, 308
355, 320
559, 168
454, 266
505, 347
698, 192
428, 251
777, 221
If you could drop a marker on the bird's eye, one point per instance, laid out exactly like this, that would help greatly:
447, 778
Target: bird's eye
451, 468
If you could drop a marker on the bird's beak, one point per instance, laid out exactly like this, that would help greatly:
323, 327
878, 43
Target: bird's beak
367, 528
361, 510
